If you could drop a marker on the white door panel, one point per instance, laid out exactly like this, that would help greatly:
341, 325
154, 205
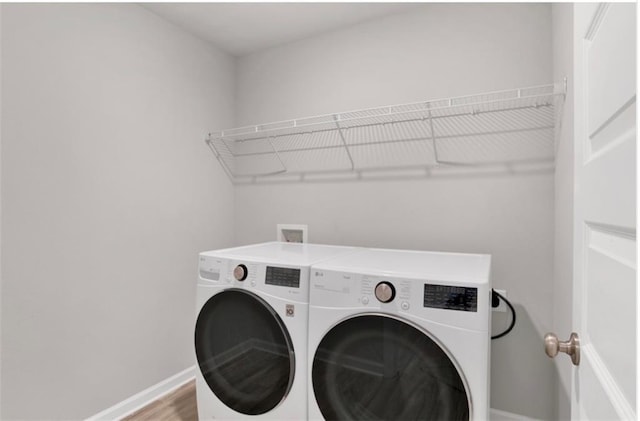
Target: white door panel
590, 389
614, 132
611, 67
609, 279
609, 189
604, 384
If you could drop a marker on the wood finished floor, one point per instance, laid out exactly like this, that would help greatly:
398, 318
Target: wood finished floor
177, 405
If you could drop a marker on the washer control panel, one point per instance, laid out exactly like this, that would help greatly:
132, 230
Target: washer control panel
238, 273
283, 277
211, 269
278, 280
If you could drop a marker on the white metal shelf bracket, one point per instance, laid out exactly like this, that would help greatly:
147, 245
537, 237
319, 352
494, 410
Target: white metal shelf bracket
336, 118
218, 156
284, 167
433, 138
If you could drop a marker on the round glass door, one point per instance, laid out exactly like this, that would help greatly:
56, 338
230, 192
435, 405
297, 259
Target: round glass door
375, 367
244, 352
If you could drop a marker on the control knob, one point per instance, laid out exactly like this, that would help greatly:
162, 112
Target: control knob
240, 273
385, 292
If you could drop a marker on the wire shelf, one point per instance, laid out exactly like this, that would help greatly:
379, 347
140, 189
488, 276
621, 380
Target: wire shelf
508, 126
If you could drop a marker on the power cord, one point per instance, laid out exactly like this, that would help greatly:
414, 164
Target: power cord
495, 302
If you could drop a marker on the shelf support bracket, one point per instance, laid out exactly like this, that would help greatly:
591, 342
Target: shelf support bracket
344, 142
433, 138
284, 167
213, 148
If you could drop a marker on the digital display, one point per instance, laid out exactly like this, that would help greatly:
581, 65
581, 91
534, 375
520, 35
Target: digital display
209, 274
450, 297
283, 277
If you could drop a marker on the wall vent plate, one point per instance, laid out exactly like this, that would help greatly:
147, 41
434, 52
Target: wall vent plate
292, 233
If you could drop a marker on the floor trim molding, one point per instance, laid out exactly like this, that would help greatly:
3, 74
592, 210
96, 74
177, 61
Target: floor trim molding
158, 390
144, 398
498, 415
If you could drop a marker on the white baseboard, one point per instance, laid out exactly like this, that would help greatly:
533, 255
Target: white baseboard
142, 399
498, 415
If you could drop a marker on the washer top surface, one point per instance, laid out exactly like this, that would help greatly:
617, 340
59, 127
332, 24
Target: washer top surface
474, 268
296, 254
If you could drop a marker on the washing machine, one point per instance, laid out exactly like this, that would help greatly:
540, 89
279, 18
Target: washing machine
251, 330
400, 335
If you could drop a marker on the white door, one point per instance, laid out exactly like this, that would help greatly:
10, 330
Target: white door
604, 289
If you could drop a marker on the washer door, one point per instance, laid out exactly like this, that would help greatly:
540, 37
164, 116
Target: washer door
374, 367
244, 352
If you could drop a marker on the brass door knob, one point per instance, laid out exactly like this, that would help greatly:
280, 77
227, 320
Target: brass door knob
571, 347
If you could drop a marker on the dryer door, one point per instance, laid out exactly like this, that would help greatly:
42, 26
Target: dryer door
375, 367
244, 352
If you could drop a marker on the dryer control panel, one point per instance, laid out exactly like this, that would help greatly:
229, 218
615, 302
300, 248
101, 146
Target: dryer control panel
450, 297
450, 302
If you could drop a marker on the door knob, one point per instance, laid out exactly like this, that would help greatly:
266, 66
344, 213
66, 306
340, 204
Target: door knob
571, 347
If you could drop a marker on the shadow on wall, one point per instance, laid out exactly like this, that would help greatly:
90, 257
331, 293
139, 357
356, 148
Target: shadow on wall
524, 368
444, 171
563, 400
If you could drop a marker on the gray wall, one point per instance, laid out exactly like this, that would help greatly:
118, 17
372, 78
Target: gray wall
443, 50
564, 175
108, 193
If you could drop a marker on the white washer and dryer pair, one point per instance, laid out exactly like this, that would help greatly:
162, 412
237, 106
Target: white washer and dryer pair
301, 331
251, 330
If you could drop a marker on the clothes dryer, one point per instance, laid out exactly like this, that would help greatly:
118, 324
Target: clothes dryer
399, 335
251, 330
